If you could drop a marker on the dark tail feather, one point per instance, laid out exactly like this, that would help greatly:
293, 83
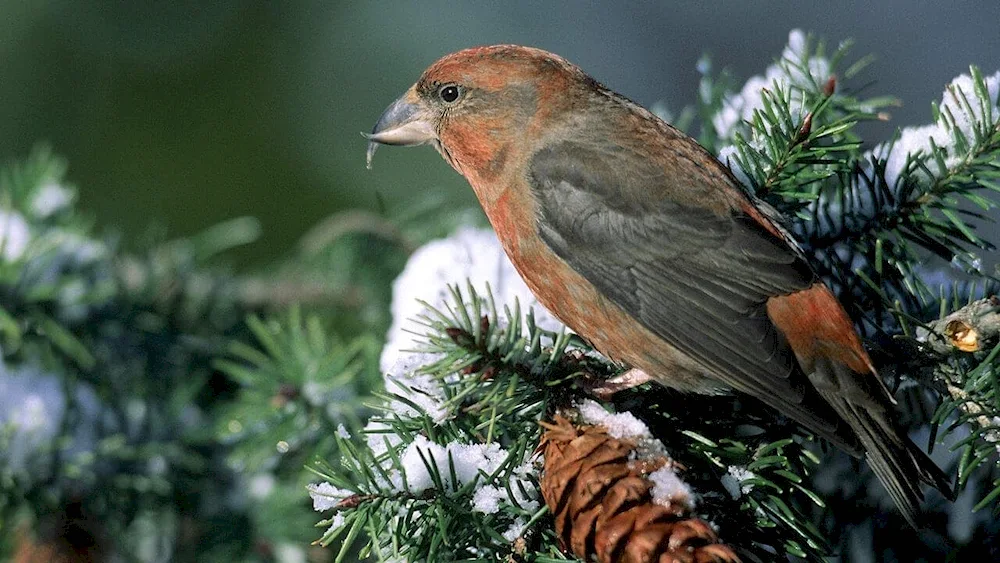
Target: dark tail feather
897, 462
930, 473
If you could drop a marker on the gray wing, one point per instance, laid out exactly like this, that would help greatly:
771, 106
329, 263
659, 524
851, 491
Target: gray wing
695, 278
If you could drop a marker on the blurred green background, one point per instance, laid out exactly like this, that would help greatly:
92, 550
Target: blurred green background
181, 114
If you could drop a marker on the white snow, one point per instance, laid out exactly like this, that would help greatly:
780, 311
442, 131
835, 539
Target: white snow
32, 407
669, 489
667, 486
14, 235
468, 460
31, 414
404, 379
961, 90
734, 479
377, 434
49, 199
325, 496
261, 485
337, 521
487, 499
786, 74
515, 530
473, 254
32, 403
83, 250
619, 425
288, 552
470, 254
912, 141
471, 462
728, 156
917, 140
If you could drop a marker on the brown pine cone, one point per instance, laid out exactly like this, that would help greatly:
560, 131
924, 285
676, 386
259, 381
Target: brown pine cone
604, 508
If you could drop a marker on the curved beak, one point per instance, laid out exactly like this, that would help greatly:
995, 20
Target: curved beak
406, 122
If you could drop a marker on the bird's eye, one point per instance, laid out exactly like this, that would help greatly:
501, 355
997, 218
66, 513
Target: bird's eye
449, 93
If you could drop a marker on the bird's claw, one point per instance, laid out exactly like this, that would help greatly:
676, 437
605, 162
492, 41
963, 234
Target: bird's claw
607, 388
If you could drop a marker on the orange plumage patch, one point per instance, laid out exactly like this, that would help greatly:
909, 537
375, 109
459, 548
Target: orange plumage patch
495, 67
481, 141
816, 325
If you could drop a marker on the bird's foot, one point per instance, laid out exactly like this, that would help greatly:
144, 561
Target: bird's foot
607, 388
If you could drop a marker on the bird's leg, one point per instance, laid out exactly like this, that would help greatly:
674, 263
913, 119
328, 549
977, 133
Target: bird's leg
605, 389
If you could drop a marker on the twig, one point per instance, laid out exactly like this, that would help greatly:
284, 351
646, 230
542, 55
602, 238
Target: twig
354, 221
966, 329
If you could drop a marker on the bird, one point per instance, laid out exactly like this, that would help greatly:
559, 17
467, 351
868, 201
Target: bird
647, 246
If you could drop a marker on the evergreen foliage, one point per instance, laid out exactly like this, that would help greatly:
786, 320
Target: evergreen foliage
163, 407
110, 397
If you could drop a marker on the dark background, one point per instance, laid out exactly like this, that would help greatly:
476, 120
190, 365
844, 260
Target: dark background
181, 114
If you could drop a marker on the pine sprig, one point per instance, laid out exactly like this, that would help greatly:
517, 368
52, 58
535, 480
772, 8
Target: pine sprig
53, 272
298, 385
491, 372
801, 137
751, 470
497, 375
887, 213
967, 345
111, 357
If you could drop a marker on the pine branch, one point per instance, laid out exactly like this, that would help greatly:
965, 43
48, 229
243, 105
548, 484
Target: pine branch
496, 376
796, 133
967, 329
905, 193
299, 387
109, 389
966, 343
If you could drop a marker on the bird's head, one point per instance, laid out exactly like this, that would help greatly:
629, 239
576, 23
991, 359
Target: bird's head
471, 105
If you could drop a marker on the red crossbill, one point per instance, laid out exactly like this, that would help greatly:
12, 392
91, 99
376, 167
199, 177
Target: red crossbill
643, 243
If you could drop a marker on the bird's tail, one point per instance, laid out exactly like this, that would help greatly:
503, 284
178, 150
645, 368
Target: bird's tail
897, 462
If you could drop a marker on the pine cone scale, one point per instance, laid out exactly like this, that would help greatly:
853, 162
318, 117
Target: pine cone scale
603, 506
582, 532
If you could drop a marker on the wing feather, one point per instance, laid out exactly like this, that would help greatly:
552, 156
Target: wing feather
694, 277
